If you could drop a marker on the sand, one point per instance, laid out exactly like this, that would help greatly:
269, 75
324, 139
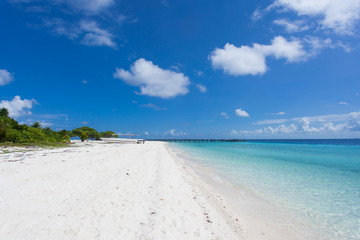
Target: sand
114, 191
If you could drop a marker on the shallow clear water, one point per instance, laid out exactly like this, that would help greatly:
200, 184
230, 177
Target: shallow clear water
319, 181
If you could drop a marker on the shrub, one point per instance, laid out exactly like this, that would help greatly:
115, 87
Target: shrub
108, 134
15, 136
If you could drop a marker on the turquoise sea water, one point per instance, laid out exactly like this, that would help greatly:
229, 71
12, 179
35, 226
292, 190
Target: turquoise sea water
319, 181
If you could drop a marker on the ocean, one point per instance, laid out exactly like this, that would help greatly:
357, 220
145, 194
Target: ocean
316, 180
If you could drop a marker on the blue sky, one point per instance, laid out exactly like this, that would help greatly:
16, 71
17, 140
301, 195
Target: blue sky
182, 69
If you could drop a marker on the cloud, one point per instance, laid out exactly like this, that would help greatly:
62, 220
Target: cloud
59, 27
315, 125
153, 106
173, 132
89, 6
121, 19
176, 67
85, 123
246, 60
257, 14
270, 121
241, 113
95, 36
199, 73
18, 107
87, 32
146, 133
153, 80
278, 113
317, 44
201, 88
84, 28
5, 77
292, 26
238, 61
339, 16
224, 115
43, 124
343, 103
319, 118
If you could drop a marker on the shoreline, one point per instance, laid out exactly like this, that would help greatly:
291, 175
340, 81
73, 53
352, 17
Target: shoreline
253, 212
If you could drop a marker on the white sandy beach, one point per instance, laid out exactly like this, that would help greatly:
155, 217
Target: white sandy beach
116, 191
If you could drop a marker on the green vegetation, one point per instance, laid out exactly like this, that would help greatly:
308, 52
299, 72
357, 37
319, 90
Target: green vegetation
4, 112
11, 132
83, 136
108, 134
86, 132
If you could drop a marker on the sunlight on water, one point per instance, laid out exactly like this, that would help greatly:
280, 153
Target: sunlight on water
320, 183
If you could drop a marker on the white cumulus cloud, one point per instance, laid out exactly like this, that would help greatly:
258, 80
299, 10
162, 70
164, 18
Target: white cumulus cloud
153, 80
5, 77
241, 113
18, 107
340, 16
246, 60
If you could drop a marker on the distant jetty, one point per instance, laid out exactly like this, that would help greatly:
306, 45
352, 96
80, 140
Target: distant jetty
197, 140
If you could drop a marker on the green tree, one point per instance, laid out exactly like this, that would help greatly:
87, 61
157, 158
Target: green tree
4, 112
83, 136
64, 132
5, 122
90, 132
65, 135
3, 133
108, 134
36, 125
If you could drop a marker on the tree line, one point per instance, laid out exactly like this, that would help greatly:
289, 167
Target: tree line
14, 132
